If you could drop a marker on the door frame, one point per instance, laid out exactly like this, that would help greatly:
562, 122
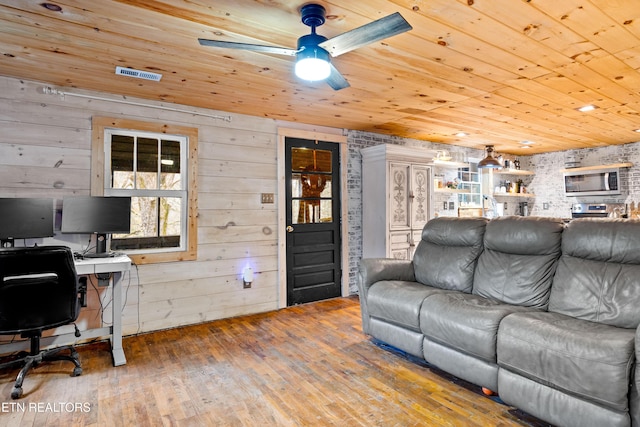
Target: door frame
282, 214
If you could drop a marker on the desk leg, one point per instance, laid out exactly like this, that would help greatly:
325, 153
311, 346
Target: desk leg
116, 330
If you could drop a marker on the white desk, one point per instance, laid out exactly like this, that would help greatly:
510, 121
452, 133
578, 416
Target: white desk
117, 266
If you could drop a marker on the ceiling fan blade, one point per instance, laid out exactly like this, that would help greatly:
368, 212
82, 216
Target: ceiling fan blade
377, 30
248, 46
336, 80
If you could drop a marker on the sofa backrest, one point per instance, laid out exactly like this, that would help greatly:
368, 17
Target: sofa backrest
519, 259
446, 256
598, 276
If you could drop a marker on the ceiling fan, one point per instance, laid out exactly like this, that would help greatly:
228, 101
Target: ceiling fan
312, 55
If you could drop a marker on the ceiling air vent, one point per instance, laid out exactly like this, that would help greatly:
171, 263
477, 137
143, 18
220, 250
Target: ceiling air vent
138, 74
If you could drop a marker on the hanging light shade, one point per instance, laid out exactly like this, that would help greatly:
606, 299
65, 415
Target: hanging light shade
489, 162
312, 62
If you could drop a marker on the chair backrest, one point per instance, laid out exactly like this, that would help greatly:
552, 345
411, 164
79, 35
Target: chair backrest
598, 276
519, 259
446, 256
38, 289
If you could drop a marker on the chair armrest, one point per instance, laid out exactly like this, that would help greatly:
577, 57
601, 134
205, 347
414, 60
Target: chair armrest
372, 270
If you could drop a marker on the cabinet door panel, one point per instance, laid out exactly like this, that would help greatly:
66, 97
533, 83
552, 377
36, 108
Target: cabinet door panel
420, 184
399, 196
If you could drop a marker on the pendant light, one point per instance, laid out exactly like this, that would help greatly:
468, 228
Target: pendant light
489, 162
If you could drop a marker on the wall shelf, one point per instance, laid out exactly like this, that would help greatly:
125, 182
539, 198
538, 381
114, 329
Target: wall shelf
452, 190
512, 172
590, 168
528, 195
449, 164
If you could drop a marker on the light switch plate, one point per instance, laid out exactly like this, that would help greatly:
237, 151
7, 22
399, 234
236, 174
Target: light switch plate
267, 197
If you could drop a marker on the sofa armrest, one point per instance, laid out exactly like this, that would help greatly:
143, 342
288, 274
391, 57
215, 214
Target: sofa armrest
634, 388
372, 270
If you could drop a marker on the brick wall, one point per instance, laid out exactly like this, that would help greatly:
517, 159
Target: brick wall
546, 184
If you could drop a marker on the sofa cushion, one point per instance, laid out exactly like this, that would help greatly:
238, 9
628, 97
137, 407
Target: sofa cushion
588, 360
399, 302
519, 259
598, 274
467, 323
446, 256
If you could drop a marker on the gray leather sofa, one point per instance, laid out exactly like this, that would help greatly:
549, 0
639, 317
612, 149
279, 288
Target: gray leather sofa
543, 313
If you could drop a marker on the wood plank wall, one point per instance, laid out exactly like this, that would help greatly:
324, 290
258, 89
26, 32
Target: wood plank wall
46, 139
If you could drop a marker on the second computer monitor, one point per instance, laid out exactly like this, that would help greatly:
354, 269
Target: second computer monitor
96, 215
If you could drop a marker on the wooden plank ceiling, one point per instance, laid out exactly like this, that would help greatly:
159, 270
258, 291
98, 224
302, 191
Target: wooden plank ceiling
503, 71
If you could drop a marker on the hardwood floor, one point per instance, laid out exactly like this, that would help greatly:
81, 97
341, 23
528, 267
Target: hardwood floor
308, 365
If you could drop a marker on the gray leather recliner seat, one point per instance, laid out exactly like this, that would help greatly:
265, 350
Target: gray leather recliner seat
513, 274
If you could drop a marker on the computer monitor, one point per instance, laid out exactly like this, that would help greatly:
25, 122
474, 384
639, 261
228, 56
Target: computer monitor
96, 215
25, 218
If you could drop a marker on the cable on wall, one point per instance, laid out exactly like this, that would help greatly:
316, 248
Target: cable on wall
48, 90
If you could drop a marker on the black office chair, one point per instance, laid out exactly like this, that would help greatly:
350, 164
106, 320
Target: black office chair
39, 290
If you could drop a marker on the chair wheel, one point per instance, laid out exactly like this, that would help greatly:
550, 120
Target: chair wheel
77, 371
16, 392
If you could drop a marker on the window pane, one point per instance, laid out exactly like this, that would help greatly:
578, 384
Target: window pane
170, 165
305, 159
314, 184
311, 211
326, 211
296, 185
122, 161
147, 164
147, 181
122, 179
170, 215
296, 213
144, 216
147, 160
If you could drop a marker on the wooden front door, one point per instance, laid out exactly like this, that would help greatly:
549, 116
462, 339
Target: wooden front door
313, 220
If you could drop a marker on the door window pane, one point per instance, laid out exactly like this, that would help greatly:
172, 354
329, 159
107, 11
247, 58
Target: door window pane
326, 207
311, 185
305, 159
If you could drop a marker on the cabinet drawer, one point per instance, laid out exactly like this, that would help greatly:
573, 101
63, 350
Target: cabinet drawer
400, 244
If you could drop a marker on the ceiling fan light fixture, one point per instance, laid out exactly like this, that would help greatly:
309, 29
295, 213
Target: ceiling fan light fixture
313, 64
489, 162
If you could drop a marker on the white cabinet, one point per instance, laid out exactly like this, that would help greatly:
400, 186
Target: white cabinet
396, 199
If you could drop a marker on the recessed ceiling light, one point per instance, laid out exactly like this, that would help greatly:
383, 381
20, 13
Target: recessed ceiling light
526, 142
637, 130
51, 6
462, 134
586, 108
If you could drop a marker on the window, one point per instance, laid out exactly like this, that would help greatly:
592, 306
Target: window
311, 198
155, 166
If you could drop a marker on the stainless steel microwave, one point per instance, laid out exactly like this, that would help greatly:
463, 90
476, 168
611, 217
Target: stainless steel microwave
592, 182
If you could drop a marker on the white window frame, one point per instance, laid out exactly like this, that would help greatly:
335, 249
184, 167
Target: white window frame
101, 175
109, 191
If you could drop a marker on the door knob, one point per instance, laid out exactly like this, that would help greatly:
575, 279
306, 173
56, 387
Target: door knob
289, 229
